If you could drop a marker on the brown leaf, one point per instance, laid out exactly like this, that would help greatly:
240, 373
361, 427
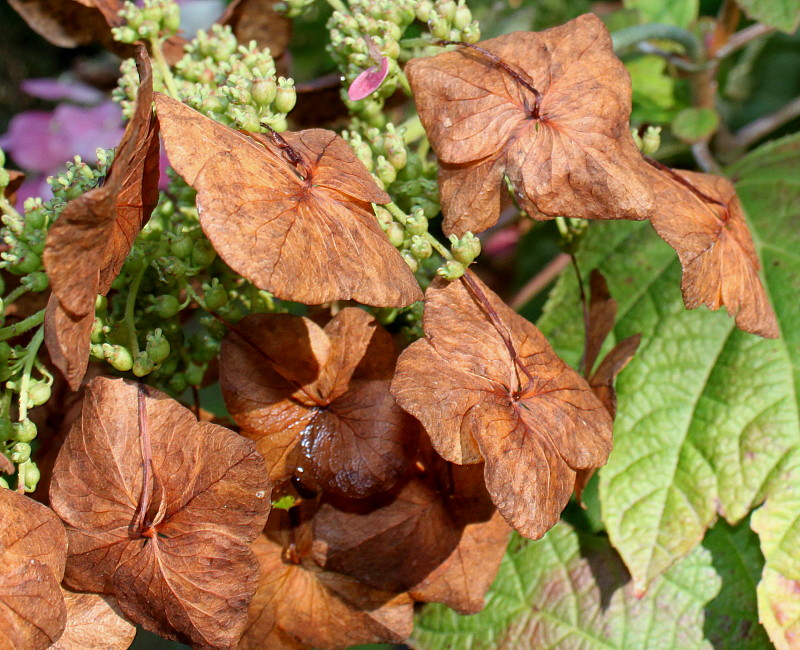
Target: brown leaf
291, 386
68, 341
94, 623
705, 224
305, 231
160, 510
528, 415
32, 611
298, 606
549, 110
257, 20
70, 23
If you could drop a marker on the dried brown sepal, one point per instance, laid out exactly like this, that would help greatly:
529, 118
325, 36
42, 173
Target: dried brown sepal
32, 610
258, 20
702, 219
566, 148
94, 622
14, 183
88, 244
316, 402
601, 316
301, 225
532, 418
299, 606
68, 341
160, 512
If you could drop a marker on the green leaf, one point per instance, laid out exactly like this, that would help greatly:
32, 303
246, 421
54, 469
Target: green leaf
783, 14
695, 124
708, 420
671, 12
732, 617
653, 89
570, 590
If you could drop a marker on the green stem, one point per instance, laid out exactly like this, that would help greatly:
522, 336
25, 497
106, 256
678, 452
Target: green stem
23, 326
627, 38
197, 298
5, 206
30, 357
163, 67
402, 219
422, 41
404, 83
413, 129
338, 5
21, 290
130, 307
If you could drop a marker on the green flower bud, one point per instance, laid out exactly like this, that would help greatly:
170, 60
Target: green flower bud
396, 152
285, 98
412, 262
446, 9
181, 246
5, 179
264, 91
462, 16
215, 295
36, 281
651, 141
465, 249
172, 18
157, 347
28, 262
194, 374
452, 270
126, 34
396, 234
165, 306
383, 216
363, 152
96, 350
439, 28
38, 394
20, 452
143, 365
385, 171
423, 10
417, 223
31, 475
420, 247
177, 384
203, 253
119, 357
35, 219
471, 33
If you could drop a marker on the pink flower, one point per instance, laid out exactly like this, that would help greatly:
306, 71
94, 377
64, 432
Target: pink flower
368, 81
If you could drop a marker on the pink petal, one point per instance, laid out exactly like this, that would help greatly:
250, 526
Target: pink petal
368, 81
54, 90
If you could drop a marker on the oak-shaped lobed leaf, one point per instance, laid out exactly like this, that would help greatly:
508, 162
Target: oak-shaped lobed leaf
317, 400
702, 219
548, 110
33, 549
94, 622
299, 606
160, 511
88, 244
291, 213
487, 386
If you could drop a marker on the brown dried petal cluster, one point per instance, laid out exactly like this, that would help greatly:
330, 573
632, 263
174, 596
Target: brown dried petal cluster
566, 148
702, 219
531, 418
317, 400
33, 549
293, 216
88, 244
94, 622
160, 512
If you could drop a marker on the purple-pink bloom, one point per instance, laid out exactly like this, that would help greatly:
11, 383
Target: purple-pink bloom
368, 81
54, 90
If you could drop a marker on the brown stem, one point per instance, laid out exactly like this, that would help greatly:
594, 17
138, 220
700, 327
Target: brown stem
763, 126
540, 280
516, 76
742, 38
494, 317
138, 524
682, 181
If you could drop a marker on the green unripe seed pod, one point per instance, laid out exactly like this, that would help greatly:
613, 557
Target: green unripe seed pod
36, 281
157, 347
439, 28
471, 33
285, 99
24, 431
385, 171
126, 34
412, 262
446, 9
264, 91
423, 10
420, 247
651, 141
462, 17
20, 452
452, 270
38, 394
32, 476
120, 358
181, 247
96, 350
203, 254
215, 296
166, 306
417, 223
383, 216
396, 234
143, 365
465, 249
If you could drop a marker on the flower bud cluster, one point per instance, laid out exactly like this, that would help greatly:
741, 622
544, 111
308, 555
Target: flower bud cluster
293, 8
650, 141
157, 19
449, 20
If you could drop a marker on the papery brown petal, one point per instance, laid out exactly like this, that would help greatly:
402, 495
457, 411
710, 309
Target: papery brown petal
257, 20
14, 183
602, 381
31, 532
94, 623
719, 260
68, 341
89, 242
299, 606
32, 611
577, 159
309, 240
602, 314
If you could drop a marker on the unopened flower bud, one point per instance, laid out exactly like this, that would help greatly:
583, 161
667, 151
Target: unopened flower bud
462, 16
452, 270
143, 365
286, 97
264, 91
166, 306
5, 179
385, 170
417, 223
157, 347
423, 10
439, 28
466, 248
30, 474
38, 394
203, 253
215, 296
412, 262
420, 247
24, 431
20, 452
446, 9
471, 33
396, 234
119, 357
383, 216
651, 141
36, 281
171, 20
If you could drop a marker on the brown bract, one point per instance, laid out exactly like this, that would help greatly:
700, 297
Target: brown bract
88, 244
303, 230
317, 400
259, 21
299, 606
94, 623
15, 180
567, 152
705, 224
160, 512
33, 548
532, 418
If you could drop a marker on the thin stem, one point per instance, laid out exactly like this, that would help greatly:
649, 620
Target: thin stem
404, 83
742, 38
585, 308
338, 5
763, 126
540, 280
163, 67
413, 130
402, 219
21, 290
629, 37
5, 206
704, 159
130, 306
30, 357
22, 326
